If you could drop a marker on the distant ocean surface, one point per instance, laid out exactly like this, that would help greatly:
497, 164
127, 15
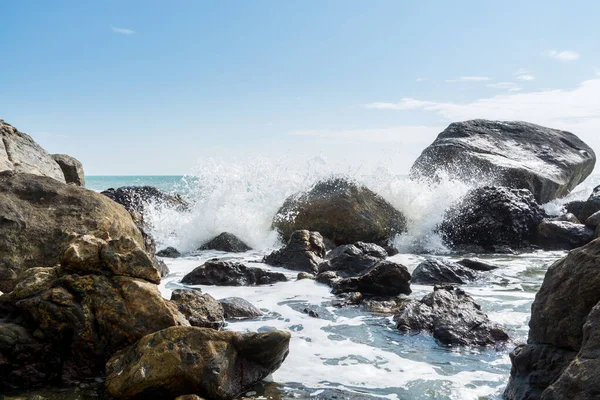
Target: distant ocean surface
167, 183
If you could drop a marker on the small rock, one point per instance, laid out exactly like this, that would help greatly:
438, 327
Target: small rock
228, 273
71, 168
556, 235
305, 275
201, 310
347, 299
477, 265
594, 220
386, 278
433, 270
568, 217
169, 252
383, 305
227, 242
327, 277
303, 252
311, 313
353, 259
238, 308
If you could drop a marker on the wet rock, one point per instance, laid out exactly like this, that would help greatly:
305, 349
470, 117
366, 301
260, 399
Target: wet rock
311, 313
593, 221
189, 397
228, 273
347, 299
304, 252
136, 199
226, 242
556, 235
213, 364
40, 216
383, 305
305, 275
386, 278
201, 310
568, 217
432, 271
453, 318
477, 265
391, 251
327, 277
353, 259
21, 154
71, 167
342, 211
169, 252
493, 216
238, 308
547, 162
591, 205
534, 368
575, 207
161, 266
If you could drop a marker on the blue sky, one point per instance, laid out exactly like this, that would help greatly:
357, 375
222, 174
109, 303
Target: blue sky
150, 87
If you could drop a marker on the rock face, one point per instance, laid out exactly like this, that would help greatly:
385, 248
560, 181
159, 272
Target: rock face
238, 308
71, 167
353, 259
136, 198
520, 155
304, 252
101, 298
556, 235
489, 216
226, 242
40, 215
226, 273
386, 278
451, 316
342, 211
217, 365
201, 310
19, 153
434, 271
563, 332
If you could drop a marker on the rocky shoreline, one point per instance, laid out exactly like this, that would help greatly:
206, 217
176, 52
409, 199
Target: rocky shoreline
78, 272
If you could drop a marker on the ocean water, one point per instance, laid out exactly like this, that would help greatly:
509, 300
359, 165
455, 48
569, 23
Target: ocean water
346, 353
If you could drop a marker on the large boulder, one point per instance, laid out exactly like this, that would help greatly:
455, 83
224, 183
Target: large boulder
341, 210
226, 242
71, 168
547, 162
353, 259
453, 318
490, 216
20, 153
40, 216
200, 309
563, 324
433, 270
230, 273
136, 199
385, 278
303, 252
238, 308
217, 365
557, 235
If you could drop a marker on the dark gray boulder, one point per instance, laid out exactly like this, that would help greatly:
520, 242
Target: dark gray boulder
228, 273
71, 168
169, 252
548, 162
558, 235
341, 210
493, 216
136, 199
20, 153
385, 278
238, 308
433, 270
477, 265
591, 205
593, 220
453, 318
353, 259
303, 252
200, 309
226, 242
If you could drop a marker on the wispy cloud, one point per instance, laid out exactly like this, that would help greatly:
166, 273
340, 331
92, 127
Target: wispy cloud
122, 31
510, 86
565, 55
407, 103
469, 79
421, 79
523, 75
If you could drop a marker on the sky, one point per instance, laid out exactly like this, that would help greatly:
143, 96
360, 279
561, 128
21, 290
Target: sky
152, 87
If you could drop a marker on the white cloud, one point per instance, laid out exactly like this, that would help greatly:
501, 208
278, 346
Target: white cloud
510, 86
122, 31
523, 75
566, 55
421, 79
406, 103
469, 79
401, 134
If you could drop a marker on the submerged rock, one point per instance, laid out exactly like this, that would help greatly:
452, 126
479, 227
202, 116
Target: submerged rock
226, 242
342, 211
71, 167
492, 216
353, 259
169, 252
218, 365
385, 278
434, 271
547, 162
452, 316
238, 308
40, 216
557, 235
477, 265
228, 273
304, 252
21, 154
201, 310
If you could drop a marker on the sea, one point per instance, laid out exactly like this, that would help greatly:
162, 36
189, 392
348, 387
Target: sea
345, 353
